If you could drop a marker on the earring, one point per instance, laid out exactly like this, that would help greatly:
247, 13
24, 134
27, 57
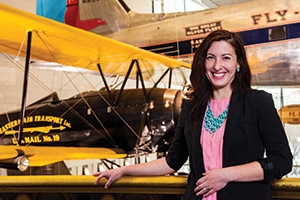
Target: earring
238, 69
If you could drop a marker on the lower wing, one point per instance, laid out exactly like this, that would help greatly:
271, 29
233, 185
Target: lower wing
11, 156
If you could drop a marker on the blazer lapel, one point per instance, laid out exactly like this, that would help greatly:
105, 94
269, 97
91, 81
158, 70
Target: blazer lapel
197, 149
235, 108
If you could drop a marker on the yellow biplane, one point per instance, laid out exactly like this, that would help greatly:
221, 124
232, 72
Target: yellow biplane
97, 124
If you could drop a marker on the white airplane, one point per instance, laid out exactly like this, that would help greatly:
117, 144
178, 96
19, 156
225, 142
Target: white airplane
270, 30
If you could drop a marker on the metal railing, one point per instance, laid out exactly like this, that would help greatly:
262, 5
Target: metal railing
286, 188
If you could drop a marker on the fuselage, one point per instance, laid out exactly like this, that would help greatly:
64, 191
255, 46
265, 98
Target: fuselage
270, 31
92, 119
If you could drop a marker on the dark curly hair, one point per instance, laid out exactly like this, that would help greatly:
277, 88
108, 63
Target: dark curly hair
202, 88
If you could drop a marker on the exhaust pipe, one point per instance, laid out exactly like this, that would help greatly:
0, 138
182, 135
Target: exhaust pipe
20, 162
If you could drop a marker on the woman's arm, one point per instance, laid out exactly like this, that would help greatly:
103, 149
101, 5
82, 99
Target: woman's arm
217, 179
155, 167
278, 161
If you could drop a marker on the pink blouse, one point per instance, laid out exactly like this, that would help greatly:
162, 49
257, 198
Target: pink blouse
212, 143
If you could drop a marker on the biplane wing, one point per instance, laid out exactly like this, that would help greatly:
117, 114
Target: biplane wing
59, 43
40, 156
53, 41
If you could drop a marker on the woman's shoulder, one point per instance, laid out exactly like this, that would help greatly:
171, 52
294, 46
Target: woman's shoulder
259, 99
258, 94
186, 103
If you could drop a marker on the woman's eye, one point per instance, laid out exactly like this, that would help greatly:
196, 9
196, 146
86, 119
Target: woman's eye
209, 57
226, 58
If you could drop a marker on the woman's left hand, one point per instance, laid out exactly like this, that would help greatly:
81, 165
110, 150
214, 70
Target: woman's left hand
211, 182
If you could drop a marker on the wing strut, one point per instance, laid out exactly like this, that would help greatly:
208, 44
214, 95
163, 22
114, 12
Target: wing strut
25, 83
163, 75
139, 74
170, 78
105, 82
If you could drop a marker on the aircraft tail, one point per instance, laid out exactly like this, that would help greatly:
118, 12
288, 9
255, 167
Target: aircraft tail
118, 16
66, 11
114, 12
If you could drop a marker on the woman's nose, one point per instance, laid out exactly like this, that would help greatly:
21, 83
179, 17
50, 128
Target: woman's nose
217, 64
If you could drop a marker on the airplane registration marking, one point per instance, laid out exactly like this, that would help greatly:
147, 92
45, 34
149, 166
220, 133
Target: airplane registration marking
294, 114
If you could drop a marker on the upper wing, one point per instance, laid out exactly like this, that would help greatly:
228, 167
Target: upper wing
56, 42
43, 155
60, 43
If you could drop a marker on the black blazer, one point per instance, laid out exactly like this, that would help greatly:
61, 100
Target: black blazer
253, 131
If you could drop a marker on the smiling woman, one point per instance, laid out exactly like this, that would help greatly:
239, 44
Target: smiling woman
224, 128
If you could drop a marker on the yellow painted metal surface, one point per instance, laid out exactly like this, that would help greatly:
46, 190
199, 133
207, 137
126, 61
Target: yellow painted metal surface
286, 188
43, 155
84, 184
290, 114
57, 42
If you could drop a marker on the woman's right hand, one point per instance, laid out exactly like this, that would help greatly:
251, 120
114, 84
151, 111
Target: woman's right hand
112, 175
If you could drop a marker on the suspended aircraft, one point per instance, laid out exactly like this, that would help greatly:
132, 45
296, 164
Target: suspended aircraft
270, 31
107, 123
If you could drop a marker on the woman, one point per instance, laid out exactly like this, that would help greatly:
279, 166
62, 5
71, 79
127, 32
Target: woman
225, 129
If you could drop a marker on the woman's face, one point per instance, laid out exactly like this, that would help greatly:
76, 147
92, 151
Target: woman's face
221, 64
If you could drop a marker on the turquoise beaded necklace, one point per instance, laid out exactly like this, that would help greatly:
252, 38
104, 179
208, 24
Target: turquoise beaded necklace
211, 123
